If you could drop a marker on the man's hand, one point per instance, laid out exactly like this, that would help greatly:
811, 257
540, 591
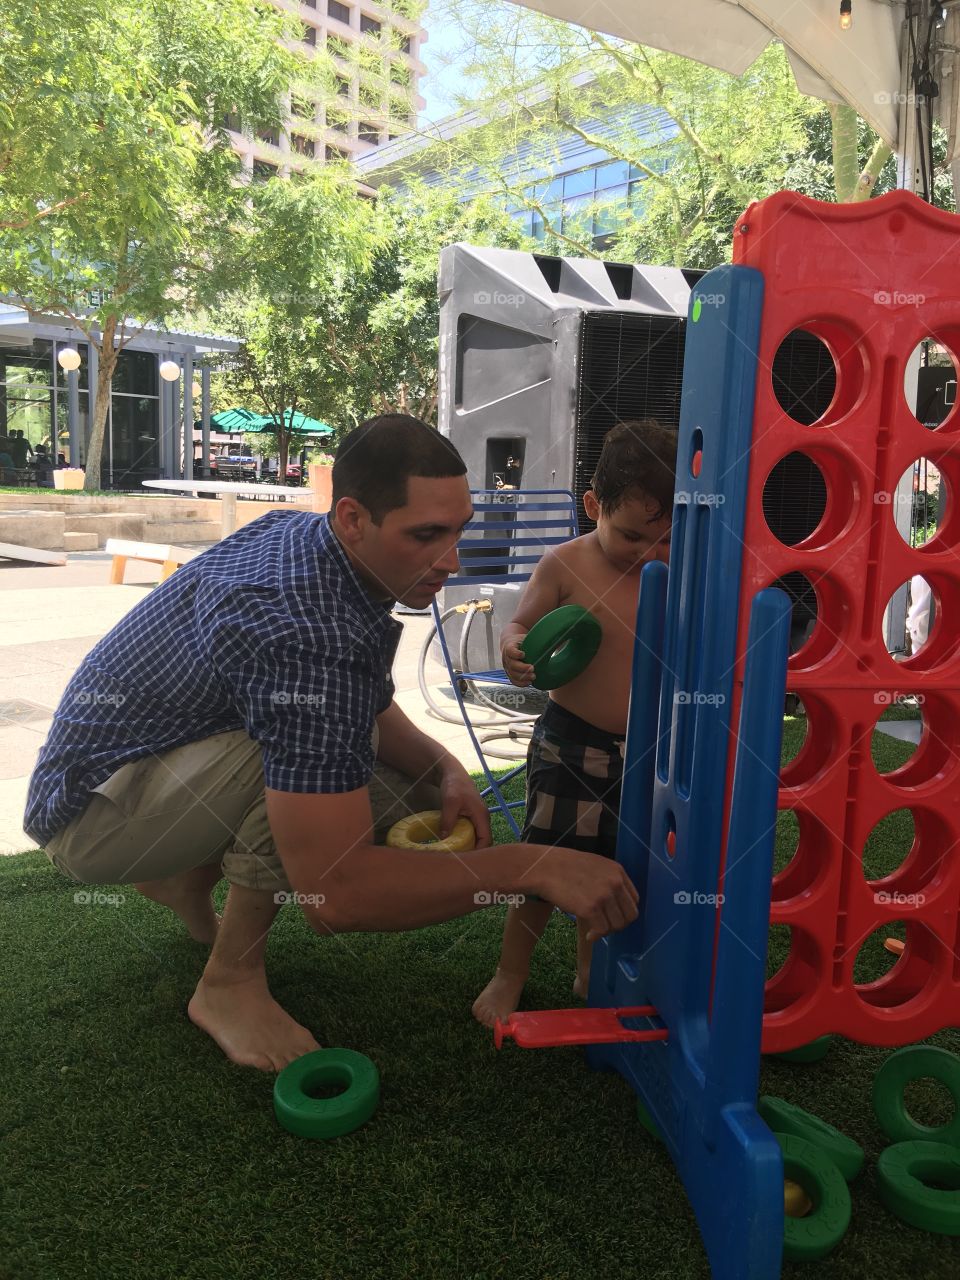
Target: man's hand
594, 889
460, 798
519, 671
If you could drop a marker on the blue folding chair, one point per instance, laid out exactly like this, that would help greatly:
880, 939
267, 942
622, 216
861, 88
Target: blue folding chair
508, 535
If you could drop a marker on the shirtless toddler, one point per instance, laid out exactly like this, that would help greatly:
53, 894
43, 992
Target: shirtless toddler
575, 758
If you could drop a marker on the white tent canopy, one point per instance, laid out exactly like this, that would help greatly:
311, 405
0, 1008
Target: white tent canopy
867, 66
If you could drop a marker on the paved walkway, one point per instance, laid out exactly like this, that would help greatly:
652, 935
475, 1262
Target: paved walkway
51, 616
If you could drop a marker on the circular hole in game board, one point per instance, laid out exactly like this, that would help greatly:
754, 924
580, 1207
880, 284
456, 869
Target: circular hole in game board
927, 719
888, 845
804, 609
793, 968
886, 979
814, 599
778, 948
809, 498
785, 840
818, 374
873, 959
809, 731
919, 620
794, 728
899, 728
794, 498
801, 851
930, 380
920, 507
906, 855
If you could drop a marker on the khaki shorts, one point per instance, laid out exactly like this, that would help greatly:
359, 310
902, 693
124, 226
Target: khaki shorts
202, 804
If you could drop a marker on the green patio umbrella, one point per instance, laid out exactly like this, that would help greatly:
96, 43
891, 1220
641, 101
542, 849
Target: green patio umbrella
257, 423
237, 420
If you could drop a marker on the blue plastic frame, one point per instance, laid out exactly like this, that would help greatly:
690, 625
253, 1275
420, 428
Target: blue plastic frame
697, 957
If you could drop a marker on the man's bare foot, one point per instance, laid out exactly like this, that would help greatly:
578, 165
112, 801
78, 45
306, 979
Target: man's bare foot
188, 894
499, 998
248, 1024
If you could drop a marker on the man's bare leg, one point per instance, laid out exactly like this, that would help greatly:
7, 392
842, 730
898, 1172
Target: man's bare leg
232, 1002
188, 894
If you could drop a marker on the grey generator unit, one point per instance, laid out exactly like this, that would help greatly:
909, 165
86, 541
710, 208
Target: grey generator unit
540, 356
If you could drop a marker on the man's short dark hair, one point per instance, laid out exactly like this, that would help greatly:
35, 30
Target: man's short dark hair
638, 458
375, 461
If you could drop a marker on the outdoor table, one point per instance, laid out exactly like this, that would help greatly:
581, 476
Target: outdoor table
229, 490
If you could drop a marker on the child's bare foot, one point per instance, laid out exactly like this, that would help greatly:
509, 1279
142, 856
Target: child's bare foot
499, 998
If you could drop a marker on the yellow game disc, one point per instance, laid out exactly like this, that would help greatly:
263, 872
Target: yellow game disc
421, 831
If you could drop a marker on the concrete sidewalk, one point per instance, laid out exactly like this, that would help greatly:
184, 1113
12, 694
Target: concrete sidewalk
50, 618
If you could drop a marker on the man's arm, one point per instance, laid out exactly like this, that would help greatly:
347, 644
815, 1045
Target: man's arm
349, 884
403, 746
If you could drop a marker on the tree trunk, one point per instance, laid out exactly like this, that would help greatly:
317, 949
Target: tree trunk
284, 442
846, 158
108, 362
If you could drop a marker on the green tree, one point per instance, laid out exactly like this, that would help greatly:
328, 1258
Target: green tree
338, 309
693, 142
302, 243
696, 145
378, 330
120, 192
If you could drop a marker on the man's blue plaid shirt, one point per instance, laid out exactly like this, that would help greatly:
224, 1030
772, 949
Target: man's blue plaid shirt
270, 631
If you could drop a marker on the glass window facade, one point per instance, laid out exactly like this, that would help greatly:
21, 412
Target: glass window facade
587, 202
35, 399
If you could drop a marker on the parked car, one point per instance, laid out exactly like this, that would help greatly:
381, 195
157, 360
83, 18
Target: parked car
248, 464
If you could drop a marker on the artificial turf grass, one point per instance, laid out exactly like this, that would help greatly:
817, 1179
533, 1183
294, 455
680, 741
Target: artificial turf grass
153, 1156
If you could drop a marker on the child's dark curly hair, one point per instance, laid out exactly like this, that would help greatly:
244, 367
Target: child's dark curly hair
638, 457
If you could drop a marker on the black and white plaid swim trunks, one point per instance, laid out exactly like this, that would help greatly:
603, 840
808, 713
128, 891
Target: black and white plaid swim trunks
574, 777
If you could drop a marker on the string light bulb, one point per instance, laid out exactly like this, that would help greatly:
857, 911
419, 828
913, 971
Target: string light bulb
846, 15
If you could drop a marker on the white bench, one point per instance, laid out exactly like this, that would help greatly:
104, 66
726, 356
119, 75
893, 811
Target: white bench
169, 557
